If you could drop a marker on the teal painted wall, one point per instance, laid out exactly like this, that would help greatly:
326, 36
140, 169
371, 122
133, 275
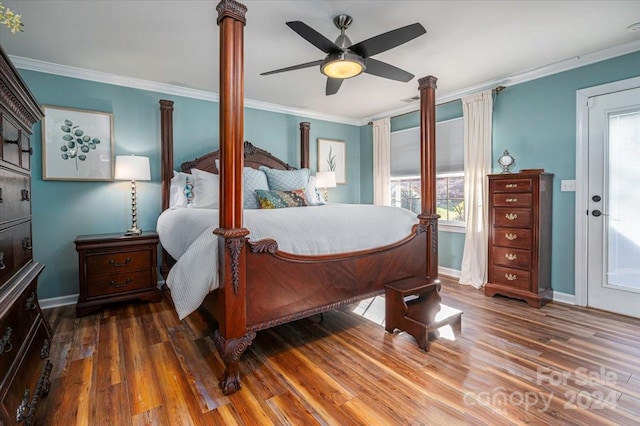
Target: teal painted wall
536, 122
63, 210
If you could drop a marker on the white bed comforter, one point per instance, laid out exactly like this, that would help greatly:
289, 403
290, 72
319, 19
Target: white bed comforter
187, 235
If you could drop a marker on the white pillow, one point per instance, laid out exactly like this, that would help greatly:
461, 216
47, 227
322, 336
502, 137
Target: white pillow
179, 195
313, 194
207, 188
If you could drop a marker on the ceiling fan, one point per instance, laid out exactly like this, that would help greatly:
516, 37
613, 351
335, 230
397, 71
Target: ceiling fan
345, 60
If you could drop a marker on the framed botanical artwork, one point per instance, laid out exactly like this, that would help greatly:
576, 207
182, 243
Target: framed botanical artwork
332, 158
77, 144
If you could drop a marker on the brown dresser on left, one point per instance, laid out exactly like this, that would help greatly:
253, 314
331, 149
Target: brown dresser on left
25, 336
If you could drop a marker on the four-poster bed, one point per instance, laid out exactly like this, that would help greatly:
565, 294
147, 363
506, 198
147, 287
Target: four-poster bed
261, 286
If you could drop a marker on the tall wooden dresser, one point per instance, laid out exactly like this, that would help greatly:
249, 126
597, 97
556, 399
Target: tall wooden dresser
520, 236
25, 336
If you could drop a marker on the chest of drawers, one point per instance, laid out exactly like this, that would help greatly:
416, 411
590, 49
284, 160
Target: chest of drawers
115, 267
25, 336
520, 236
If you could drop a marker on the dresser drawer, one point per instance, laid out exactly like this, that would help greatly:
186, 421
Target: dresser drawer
15, 326
513, 185
510, 277
14, 195
512, 217
114, 263
10, 138
30, 373
515, 199
511, 257
15, 249
512, 237
104, 285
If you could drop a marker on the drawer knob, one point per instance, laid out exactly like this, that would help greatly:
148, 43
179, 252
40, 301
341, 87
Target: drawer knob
30, 150
510, 256
511, 200
511, 216
26, 243
510, 277
5, 341
511, 185
24, 194
118, 265
24, 409
31, 302
116, 285
510, 237
2, 265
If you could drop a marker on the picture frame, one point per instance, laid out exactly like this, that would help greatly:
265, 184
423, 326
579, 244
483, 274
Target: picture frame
332, 157
77, 145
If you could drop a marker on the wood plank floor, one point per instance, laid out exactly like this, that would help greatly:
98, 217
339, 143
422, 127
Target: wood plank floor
138, 364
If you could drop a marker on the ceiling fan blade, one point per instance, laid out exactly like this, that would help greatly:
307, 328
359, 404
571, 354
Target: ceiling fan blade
382, 69
314, 37
333, 85
388, 40
294, 67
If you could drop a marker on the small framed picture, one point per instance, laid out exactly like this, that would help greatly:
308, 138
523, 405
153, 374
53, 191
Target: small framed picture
77, 144
332, 158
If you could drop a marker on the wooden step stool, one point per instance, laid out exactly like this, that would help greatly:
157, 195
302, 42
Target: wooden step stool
413, 305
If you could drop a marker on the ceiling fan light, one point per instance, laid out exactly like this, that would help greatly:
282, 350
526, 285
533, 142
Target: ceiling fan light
342, 65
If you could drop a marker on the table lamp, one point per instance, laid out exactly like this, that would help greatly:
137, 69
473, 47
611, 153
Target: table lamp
326, 180
132, 167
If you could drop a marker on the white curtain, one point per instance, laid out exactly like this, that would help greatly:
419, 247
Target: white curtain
382, 161
478, 114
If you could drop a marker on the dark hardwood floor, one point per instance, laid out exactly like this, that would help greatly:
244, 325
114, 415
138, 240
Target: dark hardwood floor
138, 364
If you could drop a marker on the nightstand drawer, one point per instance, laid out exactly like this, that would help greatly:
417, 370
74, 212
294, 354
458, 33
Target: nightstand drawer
512, 217
516, 200
513, 185
511, 257
512, 237
511, 277
114, 263
104, 285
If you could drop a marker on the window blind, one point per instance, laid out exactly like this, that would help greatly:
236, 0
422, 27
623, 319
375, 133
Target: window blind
405, 149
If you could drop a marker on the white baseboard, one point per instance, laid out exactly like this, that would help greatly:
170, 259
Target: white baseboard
567, 299
56, 302
454, 273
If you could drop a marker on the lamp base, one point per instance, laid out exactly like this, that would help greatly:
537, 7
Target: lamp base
133, 231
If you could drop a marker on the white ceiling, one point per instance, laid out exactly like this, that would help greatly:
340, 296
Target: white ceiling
468, 43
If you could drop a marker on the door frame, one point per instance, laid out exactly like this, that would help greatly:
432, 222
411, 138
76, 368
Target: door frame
582, 169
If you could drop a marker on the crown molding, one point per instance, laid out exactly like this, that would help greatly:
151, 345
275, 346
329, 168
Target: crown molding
169, 89
511, 80
518, 78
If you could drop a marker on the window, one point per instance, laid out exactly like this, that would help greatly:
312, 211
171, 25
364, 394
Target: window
405, 171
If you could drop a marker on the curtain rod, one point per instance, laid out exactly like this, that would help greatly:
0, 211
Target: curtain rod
495, 90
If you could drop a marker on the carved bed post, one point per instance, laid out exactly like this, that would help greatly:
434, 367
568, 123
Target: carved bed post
231, 337
304, 144
166, 172
428, 217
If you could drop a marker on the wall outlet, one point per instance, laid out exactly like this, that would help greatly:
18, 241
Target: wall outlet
568, 185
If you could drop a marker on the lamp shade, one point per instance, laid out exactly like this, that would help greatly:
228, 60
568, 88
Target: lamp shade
132, 167
326, 179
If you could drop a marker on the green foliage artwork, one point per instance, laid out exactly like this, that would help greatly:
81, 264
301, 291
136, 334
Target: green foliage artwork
331, 160
75, 139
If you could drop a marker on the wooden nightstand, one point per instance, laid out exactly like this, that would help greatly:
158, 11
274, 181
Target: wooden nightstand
115, 267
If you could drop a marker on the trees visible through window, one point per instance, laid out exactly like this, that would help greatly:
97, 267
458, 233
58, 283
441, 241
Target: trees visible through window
405, 193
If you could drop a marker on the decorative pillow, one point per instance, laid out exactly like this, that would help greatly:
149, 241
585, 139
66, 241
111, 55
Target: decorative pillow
181, 190
208, 189
253, 180
280, 199
313, 195
286, 180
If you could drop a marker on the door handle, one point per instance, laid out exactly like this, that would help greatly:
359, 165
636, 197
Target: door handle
596, 213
